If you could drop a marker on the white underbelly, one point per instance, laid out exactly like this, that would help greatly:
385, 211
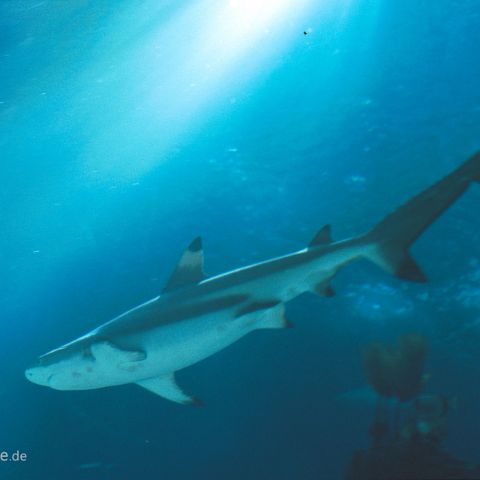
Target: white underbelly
180, 345
176, 346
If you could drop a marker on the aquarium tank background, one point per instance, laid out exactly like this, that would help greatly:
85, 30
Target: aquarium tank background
127, 128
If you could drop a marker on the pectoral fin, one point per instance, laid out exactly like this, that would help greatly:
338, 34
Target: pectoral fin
107, 352
166, 387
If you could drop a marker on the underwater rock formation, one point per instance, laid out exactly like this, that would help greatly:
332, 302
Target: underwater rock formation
408, 446
409, 460
396, 371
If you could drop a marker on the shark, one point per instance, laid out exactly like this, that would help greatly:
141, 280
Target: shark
195, 316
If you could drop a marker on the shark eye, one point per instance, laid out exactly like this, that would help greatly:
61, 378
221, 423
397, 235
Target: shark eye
87, 353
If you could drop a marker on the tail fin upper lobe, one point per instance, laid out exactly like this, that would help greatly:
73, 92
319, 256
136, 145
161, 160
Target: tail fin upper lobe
392, 237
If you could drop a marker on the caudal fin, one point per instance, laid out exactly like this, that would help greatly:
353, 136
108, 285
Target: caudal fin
390, 239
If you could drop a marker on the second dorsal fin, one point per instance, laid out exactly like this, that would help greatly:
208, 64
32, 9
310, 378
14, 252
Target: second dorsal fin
189, 269
322, 237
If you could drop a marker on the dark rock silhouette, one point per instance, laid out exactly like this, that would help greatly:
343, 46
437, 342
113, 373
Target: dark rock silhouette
406, 442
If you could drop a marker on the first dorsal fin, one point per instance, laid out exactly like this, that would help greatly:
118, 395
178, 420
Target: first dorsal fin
189, 269
322, 237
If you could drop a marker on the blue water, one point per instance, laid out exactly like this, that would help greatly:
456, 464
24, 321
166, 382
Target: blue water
128, 128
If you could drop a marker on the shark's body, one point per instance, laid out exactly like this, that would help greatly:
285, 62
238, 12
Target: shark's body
195, 316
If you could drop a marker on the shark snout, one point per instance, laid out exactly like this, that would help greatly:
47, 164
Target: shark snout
39, 375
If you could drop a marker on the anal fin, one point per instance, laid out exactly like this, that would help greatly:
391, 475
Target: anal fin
165, 386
